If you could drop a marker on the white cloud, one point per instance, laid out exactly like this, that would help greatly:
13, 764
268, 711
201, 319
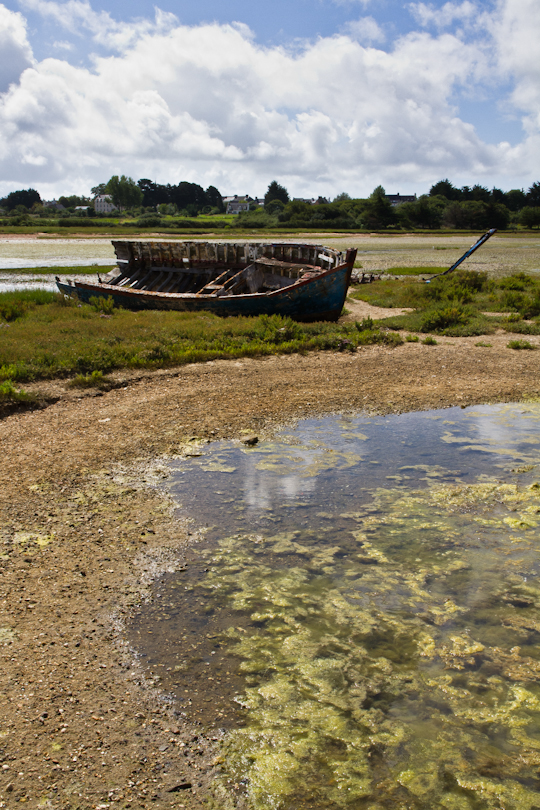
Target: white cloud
427, 14
63, 45
333, 115
365, 30
15, 50
516, 33
78, 16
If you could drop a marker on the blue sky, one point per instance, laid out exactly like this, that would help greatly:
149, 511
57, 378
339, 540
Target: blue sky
325, 96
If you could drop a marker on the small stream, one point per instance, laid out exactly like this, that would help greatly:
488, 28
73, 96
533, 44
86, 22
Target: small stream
362, 615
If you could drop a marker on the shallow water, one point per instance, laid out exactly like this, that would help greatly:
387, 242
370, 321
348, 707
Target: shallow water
20, 253
8, 284
17, 282
363, 613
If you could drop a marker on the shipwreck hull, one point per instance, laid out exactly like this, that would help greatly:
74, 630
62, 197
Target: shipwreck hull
298, 281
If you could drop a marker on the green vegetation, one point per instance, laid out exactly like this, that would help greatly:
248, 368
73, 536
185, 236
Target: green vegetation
520, 344
429, 341
187, 207
455, 304
94, 380
415, 271
520, 327
45, 335
104, 306
13, 305
275, 192
11, 395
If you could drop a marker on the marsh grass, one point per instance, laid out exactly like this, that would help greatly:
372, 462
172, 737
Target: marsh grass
522, 328
454, 304
94, 380
520, 344
11, 395
414, 271
105, 306
13, 305
51, 336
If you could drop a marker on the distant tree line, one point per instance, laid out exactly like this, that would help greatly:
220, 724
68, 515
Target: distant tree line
445, 206
185, 196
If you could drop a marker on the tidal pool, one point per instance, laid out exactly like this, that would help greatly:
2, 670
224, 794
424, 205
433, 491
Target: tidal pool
362, 617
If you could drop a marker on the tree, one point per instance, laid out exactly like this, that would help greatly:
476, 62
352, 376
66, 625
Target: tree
187, 194
23, 197
533, 195
276, 192
101, 188
342, 197
515, 199
275, 206
530, 217
73, 200
154, 194
378, 211
476, 215
214, 199
426, 212
124, 192
444, 188
480, 193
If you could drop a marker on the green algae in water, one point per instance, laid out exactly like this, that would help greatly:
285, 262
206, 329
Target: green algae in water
394, 659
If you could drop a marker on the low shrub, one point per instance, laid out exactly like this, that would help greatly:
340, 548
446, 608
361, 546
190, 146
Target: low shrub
521, 328
412, 338
10, 394
517, 281
429, 341
101, 304
520, 344
439, 319
364, 324
94, 380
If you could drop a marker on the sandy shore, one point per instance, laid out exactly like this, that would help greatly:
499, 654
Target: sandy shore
85, 530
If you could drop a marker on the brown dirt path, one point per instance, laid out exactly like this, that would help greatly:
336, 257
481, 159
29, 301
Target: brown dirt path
81, 726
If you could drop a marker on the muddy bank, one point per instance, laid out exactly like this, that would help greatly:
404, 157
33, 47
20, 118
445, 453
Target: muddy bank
84, 530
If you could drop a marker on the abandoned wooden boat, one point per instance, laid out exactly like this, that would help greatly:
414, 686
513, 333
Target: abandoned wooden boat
305, 282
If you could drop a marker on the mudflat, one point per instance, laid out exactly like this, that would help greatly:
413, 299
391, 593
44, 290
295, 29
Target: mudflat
85, 528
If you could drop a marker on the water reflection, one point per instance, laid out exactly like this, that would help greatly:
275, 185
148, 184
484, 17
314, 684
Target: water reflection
363, 615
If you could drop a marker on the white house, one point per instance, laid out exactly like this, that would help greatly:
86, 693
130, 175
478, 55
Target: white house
236, 204
103, 204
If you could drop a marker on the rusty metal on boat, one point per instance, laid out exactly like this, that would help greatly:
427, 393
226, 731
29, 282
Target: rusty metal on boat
304, 282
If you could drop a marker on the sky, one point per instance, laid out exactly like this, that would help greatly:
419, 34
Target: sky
325, 96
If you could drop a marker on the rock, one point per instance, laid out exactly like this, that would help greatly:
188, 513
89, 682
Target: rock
250, 440
179, 787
